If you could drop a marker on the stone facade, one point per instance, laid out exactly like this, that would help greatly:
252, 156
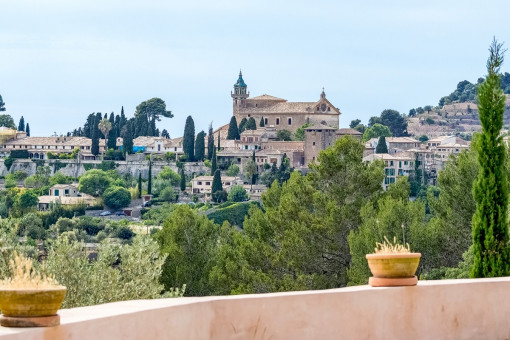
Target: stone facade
280, 113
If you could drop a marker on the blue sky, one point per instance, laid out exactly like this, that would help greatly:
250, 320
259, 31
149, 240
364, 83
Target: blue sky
61, 60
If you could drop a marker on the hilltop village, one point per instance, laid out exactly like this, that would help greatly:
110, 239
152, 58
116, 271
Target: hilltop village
270, 133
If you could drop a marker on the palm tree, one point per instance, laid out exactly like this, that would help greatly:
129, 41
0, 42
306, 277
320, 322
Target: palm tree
105, 126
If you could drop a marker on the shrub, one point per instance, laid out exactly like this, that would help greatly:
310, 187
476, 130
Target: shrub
237, 194
234, 213
116, 197
125, 233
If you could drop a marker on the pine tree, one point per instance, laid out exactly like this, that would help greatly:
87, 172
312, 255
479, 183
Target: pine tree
183, 180
214, 160
381, 145
261, 124
251, 124
149, 181
27, 130
165, 134
490, 191
210, 142
200, 146
233, 131
242, 125
139, 185
21, 125
188, 141
216, 183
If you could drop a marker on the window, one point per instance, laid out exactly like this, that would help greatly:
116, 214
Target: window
265, 121
405, 162
66, 192
56, 192
199, 183
391, 163
207, 183
313, 143
277, 121
290, 121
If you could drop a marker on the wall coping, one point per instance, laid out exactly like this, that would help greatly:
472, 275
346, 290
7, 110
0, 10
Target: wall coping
454, 309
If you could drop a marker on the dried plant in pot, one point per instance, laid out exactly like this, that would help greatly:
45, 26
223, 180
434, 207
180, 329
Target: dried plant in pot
393, 264
29, 298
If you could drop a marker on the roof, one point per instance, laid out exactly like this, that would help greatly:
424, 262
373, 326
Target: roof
268, 97
320, 127
235, 152
210, 178
63, 186
282, 107
66, 141
439, 139
348, 131
404, 156
401, 140
66, 200
240, 81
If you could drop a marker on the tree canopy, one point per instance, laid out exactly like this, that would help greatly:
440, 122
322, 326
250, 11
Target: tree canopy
188, 141
376, 131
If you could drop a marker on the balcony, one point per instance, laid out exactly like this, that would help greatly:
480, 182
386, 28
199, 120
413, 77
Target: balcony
449, 309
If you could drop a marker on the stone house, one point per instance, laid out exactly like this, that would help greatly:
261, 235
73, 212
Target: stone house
203, 184
65, 194
395, 165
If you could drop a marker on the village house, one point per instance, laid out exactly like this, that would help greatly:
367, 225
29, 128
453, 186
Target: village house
203, 184
395, 165
65, 194
394, 144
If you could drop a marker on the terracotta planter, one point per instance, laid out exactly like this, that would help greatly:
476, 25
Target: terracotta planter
26, 308
393, 269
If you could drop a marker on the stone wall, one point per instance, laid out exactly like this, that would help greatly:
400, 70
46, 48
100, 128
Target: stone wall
76, 168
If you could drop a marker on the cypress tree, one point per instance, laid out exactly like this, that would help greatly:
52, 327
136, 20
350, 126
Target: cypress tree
216, 183
127, 136
183, 180
210, 142
214, 165
188, 141
490, 221
251, 124
2, 104
112, 134
139, 185
261, 122
381, 145
242, 125
233, 131
200, 146
94, 149
149, 182
219, 145
27, 130
21, 125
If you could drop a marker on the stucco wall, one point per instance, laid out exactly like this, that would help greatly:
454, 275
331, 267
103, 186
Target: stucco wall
450, 309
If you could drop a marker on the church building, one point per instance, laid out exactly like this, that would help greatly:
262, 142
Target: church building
280, 113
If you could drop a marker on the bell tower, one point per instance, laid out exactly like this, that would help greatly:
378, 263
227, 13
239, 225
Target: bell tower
240, 94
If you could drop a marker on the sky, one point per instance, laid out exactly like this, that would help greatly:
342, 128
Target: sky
61, 60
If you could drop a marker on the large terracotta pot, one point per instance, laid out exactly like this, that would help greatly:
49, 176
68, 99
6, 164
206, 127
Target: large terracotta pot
393, 269
31, 302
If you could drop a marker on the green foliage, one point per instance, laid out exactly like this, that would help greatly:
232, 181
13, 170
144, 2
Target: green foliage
168, 174
233, 131
31, 225
20, 154
237, 194
464, 92
279, 174
200, 146
134, 276
216, 184
8, 163
139, 186
214, 162
188, 141
189, 240
233, 170
168, 194
234, 214
210, 142
395, 122
284, 135
300, 132
423, 138
261, 124
376, 131
251, 170
242, 125
5, 119
251, 124
220, 196
115, 155
183, 180
490, 221
429, 121
27, 200
149, 179
381, 145
116, 197
94, 182
151, 111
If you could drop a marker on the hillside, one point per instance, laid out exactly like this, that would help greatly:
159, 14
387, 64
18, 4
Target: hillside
452, 119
